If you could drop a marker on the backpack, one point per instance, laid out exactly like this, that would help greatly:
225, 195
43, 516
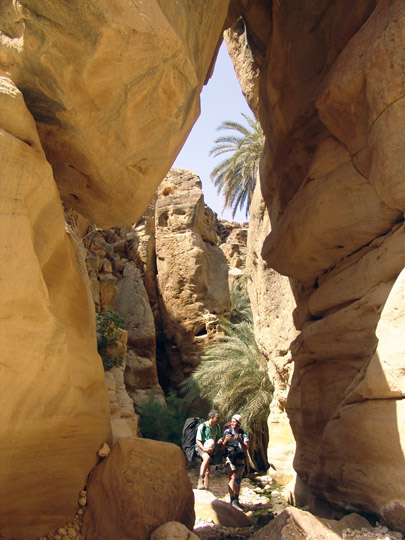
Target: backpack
188, 436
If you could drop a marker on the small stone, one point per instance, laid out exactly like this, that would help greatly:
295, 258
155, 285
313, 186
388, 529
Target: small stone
62, 531
104, 451
82, 501
83, 493
72, 533
65, 538
80, 511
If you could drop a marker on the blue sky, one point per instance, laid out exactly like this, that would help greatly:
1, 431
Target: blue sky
221, 100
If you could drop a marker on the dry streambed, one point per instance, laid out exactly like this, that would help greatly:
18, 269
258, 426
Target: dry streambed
262, 502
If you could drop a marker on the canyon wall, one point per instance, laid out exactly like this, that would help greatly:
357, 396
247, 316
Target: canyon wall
192, 272
331, 199
96, 99
167, 277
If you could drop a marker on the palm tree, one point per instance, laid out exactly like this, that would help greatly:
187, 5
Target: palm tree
233, 377
235, 177
240, 304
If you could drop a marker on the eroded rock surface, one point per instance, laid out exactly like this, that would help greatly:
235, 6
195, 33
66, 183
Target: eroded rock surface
331, 104
272, 305
54, 402
140, 486
97, 77
98, 96
192, 271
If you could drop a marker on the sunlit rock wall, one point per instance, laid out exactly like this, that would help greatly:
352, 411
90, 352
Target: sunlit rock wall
98, 76
331, 103
96, 98
192, 271
54, 410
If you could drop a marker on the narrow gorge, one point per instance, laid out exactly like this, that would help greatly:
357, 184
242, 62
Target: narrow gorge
96, 100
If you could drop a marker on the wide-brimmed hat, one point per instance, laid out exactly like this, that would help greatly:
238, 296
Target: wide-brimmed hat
237, 417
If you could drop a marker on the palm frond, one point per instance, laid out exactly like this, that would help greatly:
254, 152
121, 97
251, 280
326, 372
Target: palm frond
235, 177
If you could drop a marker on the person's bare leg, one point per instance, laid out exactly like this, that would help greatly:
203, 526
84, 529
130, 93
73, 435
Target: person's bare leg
207, 476
231, 484
205, 465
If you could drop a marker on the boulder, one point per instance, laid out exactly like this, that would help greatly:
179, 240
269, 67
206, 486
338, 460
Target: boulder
141, 485
208, 507
296, 524
174, 531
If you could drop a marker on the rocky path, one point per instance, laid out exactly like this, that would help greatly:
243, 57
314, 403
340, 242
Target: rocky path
254, 497
262, 502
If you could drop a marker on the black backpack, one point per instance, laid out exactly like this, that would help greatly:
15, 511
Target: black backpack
188, 436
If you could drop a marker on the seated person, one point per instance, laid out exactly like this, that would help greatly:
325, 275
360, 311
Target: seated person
208, 431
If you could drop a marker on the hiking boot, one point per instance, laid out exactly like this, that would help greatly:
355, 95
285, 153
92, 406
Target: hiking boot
200, 484
235, 504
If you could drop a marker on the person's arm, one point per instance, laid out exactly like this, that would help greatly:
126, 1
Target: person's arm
244, 442
221, 441
198, 438
225, 438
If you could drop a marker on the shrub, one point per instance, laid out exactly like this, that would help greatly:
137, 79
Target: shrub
108, 336
163, 421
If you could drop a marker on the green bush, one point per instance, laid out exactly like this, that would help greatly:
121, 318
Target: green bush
163, 422
108, 324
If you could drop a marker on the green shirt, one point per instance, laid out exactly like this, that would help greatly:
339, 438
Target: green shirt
208, 432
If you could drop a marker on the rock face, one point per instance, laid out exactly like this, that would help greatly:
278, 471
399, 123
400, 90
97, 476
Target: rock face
118, 276
87, 71
124, 421
170, 279
192, 272
272, 305
140, 486
81, 84
331, 103
54, 402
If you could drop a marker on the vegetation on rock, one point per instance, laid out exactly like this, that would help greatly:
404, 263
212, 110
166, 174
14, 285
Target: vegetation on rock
108, 334
235, 177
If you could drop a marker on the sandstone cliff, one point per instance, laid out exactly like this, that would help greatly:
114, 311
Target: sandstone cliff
192, 271
331, 103
168, 278
96, 99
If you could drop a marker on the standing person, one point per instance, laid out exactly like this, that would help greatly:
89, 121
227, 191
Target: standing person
236, 443
207, 438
